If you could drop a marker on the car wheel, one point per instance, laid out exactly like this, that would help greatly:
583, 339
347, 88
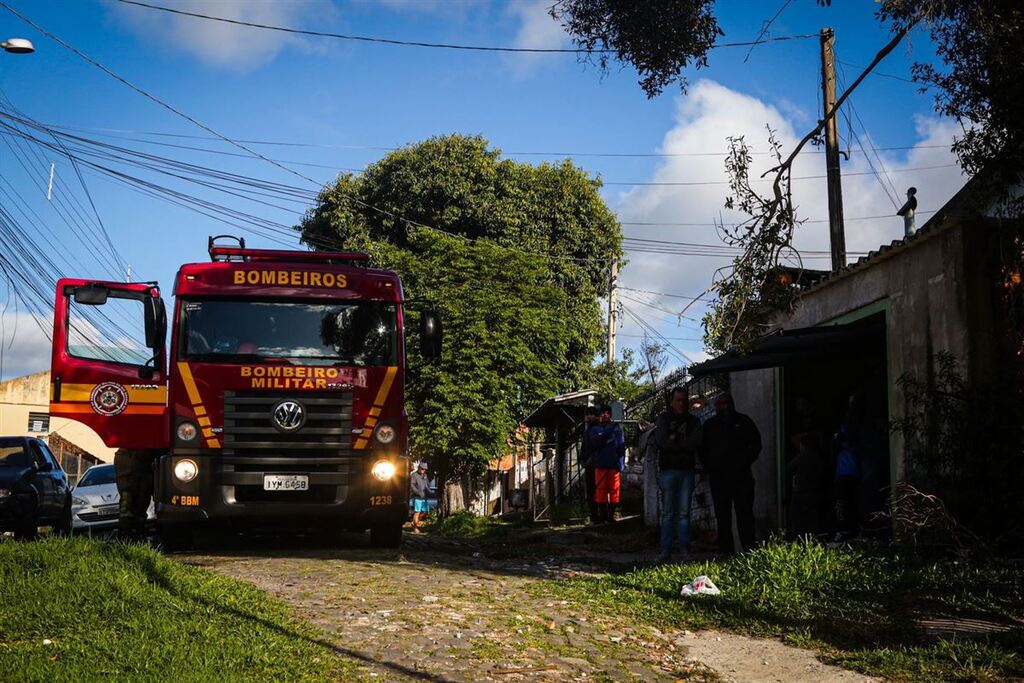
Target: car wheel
386, 536
28, 530
175, 537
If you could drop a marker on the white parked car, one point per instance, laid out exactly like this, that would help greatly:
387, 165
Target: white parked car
95, 501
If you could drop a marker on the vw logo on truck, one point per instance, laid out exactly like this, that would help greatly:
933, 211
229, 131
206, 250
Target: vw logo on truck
288, 416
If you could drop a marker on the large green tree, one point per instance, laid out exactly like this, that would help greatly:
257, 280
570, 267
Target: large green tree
514, 255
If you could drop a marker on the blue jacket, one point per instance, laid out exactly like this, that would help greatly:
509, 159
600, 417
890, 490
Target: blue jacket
608, 446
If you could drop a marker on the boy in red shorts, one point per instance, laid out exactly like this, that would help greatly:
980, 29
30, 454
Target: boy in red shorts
608, 448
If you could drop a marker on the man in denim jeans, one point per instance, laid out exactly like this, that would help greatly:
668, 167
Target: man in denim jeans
677, 434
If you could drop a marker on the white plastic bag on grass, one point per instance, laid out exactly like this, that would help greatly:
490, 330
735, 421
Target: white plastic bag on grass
701, 585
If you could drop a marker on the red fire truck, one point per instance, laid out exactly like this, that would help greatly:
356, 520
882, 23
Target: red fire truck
281, 401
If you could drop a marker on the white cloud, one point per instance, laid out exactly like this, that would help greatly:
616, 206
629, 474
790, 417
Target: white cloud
26, 349
221, 44
707, 115
537, 30
425, 6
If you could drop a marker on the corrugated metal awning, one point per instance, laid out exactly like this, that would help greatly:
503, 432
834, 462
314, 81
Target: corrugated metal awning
566, 409
796, 346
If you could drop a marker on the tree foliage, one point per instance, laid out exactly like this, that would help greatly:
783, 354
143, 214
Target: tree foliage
515, 257
750, 293
623, 379
660, 39
981, 82
505, 342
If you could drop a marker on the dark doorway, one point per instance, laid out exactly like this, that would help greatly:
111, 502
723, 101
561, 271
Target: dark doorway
834, 455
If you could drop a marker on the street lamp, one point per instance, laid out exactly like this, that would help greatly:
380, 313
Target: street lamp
18, 46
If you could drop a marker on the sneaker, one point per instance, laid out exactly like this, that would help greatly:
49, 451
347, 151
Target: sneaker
664, 558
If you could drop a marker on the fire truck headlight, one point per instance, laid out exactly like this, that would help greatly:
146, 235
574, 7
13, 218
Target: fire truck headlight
186, 470
187, 431
383, 470
385, 434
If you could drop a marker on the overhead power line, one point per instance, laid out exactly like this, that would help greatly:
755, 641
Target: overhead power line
764, 28
357, 170
651, 330
884, 75
385, 148
688, 297
254, 153
883, 178
642, 336
669, 224
417, 43
656, 307
720, 246
701, 183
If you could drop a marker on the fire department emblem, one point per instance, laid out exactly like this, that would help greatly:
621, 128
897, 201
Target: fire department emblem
288, 416
109, 399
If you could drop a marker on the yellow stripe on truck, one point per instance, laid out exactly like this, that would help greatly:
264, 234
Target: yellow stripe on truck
88, 409
190, 384
378, 405
138, 394
197, 403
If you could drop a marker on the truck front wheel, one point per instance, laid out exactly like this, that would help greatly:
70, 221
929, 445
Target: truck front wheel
386, 535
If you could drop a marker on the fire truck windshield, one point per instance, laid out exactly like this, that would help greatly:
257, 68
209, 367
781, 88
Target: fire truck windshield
306, 333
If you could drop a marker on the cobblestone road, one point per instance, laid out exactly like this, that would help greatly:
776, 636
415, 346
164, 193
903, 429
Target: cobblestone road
429, 613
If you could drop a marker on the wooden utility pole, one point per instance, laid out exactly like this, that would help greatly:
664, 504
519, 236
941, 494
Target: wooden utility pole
837, 233
613, 309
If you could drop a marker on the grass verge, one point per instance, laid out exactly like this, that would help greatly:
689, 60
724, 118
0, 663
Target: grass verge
861, 607
465, 525
83, 610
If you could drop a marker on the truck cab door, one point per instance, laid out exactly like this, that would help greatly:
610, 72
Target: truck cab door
109, 364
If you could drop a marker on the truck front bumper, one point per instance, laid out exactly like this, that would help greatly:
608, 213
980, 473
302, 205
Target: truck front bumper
342, 495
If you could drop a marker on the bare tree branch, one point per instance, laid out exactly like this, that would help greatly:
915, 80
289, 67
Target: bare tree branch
754, 290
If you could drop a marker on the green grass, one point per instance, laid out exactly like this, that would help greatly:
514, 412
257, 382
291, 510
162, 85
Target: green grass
466, 525
116, 612
857, 605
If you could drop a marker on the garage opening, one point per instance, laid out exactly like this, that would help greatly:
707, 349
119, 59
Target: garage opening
833, 425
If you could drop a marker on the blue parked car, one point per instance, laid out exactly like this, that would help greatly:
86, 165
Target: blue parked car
34, 491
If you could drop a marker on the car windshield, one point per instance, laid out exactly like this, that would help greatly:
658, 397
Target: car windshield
97, 476
13, 456
306, 333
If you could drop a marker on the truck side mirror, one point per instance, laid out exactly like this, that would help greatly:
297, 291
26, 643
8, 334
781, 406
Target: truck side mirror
147, 371
156, 322
91, 295
430, 334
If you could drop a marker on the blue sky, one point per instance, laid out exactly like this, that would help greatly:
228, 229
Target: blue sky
340, 96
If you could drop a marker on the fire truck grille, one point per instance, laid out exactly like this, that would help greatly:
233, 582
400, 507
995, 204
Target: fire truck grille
249, 425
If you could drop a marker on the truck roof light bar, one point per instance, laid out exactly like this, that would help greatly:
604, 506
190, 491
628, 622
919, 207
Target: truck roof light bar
219, 253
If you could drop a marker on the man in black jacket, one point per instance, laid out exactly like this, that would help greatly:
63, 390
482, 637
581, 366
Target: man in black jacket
677, 434
731, 443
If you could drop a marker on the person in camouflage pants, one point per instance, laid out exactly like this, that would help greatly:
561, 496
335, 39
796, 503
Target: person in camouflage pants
133, 472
